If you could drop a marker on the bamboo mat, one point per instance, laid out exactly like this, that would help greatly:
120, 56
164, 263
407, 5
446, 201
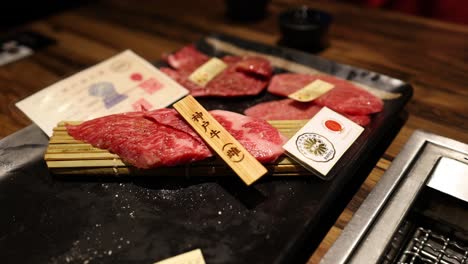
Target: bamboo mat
67, 156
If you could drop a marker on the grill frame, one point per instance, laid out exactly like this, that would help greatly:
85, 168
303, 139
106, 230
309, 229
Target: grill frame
433, 248
366, 237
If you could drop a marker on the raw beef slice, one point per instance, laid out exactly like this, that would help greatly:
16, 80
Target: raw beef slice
285, 109
344, 98
140, 141
262, 140
162, 138
243, 76
186, 59
170, 118
287, 83
288, 109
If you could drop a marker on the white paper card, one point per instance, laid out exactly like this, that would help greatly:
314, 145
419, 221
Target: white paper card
208, 71
191, 257
21, 52
123, 83
322, 141
311, 91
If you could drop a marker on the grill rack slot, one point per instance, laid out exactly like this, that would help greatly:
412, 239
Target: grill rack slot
427, 246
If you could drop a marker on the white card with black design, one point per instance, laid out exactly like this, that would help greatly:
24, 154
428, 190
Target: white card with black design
322, 141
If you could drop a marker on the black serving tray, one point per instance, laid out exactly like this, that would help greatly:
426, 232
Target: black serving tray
50, 219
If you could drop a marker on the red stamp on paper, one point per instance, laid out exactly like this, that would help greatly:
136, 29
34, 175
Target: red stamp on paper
151, 85
333, 125
136, 77
142, 105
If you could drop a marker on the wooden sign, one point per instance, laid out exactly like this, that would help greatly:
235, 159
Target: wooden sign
207, 71
223, 143
192, 257
311, 91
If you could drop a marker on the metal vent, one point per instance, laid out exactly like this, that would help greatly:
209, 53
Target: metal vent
404, 219
429, 247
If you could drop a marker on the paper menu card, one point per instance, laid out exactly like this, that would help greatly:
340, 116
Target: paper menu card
122, 83
320, 143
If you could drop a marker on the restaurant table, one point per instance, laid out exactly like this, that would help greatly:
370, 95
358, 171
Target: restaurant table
430, 55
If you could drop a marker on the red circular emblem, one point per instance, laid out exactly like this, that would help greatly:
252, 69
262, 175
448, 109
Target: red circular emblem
333, 125
136, 77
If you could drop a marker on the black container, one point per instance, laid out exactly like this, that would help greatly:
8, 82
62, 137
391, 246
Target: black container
304, 28
246, 10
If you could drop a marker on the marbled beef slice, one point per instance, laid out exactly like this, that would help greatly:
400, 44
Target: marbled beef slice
262, 140
162, 138
289, 109
244, 76
140, 141
345, 97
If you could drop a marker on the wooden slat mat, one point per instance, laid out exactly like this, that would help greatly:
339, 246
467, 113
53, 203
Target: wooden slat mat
65, 155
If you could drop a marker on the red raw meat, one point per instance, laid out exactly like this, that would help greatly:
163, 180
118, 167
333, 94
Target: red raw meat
183, 80
140, 141
228, 83
262, 140
232, 82
285, 109
344, 98
288, 109
170, 118
287, 83
350, 100
250, 65
361, 120
187, 59
162, 138
243, 76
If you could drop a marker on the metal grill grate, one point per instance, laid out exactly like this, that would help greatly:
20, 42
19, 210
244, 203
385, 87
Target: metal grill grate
428, 247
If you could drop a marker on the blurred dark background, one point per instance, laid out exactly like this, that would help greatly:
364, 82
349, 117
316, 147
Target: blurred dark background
17, 12
22, 11
455, 11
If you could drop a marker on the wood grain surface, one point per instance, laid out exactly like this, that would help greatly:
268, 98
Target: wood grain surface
431, 55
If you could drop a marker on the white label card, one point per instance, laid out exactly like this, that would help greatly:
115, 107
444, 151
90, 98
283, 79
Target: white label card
123, 83
311, 91
191, 257
322, 141
21, 51
206, 72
